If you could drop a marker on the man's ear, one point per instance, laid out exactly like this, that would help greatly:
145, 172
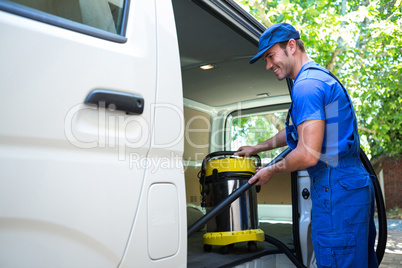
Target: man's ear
292, 46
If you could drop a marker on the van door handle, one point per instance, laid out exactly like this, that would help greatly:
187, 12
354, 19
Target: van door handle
127, 102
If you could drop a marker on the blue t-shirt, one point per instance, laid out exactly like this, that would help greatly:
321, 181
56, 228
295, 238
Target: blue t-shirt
317, 95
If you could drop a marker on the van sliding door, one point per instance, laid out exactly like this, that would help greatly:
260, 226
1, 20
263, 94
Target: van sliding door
70, 174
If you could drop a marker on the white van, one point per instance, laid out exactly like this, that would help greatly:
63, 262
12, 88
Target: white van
108, 109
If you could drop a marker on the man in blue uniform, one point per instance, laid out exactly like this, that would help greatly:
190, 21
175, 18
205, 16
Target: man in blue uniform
321, 129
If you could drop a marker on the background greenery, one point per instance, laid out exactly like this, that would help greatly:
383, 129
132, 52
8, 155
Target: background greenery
250, 130
361, 43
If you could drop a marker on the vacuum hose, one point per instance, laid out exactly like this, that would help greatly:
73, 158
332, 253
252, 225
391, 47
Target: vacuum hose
285, 250
229, 200
382, 217
382, 236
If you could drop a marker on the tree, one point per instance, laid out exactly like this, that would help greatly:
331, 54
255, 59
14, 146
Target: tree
361, 43
256, 129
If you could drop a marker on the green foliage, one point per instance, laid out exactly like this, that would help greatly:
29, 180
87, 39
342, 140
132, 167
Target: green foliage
361, 42
254, 129
394, 213
251, 130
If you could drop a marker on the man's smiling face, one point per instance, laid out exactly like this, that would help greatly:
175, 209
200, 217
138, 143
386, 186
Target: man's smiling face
278, 61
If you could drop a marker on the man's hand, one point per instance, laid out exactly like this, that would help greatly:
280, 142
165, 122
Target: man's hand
263, 175
246, 150
279, 140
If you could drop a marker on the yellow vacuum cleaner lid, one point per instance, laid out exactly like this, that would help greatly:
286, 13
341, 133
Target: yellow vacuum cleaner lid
230, 164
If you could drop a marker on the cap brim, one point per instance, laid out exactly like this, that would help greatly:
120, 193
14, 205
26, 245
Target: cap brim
259, 55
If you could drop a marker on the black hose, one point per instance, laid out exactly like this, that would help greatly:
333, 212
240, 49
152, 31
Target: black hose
382, 220
229, 200
218, 209
285, 250
279, 157
275, 241
382, 217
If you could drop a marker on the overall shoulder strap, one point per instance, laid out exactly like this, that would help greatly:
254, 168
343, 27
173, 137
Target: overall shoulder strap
327, 72
355, 132
336, 79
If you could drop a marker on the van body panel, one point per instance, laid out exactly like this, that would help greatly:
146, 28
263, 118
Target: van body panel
164, 160
68, 189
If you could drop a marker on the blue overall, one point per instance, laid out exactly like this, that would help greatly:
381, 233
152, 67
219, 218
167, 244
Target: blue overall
342, 193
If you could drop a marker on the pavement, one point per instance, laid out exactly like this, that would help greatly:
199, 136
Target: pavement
393, 251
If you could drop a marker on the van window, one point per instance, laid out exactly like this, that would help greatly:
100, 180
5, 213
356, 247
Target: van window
255, 128
106, 15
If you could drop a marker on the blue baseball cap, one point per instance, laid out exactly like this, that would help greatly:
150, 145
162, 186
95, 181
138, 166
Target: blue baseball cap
277, 33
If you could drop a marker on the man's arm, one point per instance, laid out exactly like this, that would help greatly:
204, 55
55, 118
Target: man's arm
306, 154
279, 140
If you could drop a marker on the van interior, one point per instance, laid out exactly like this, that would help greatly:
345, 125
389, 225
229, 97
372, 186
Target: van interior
229, 103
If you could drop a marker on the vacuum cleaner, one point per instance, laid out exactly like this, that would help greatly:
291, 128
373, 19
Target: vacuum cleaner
382, 220
222, 174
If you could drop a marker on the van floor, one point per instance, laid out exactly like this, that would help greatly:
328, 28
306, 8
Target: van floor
239, 253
